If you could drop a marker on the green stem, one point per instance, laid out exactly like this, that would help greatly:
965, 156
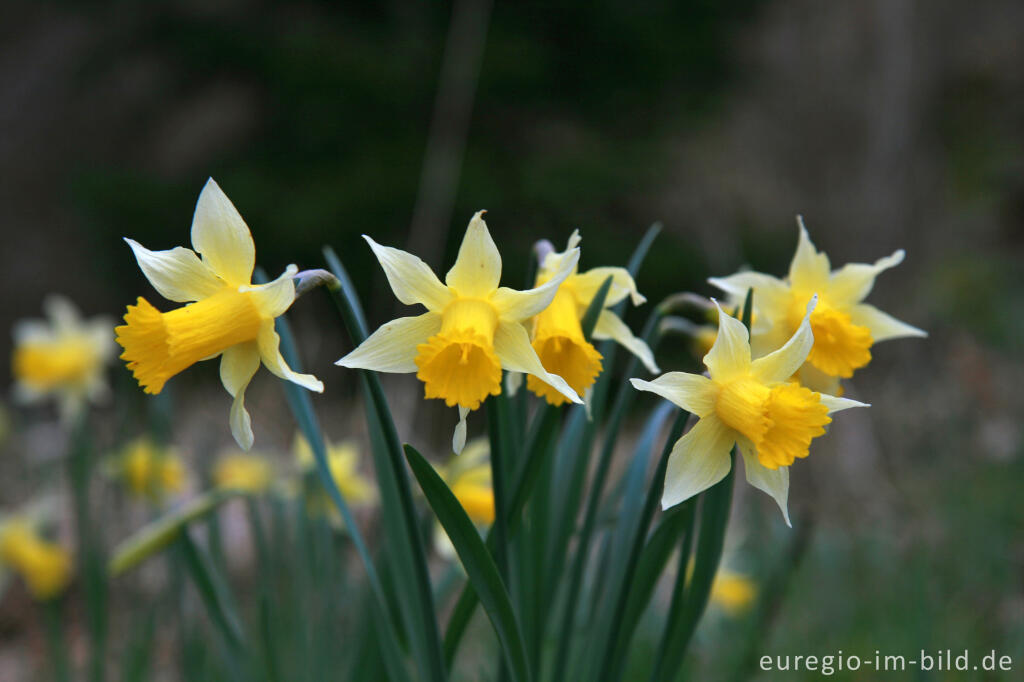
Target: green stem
56, 643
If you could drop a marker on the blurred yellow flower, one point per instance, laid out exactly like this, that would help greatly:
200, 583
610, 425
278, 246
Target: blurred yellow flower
343, 461
149, 470
558, 335
733, 592
845, 328
63, 357
44, 566
468, 476
752, 404
226, 315
249, 473
472, 328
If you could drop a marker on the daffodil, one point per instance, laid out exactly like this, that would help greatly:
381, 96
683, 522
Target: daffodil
472, 330
343, 462
845, 328
44, 565
249, 473
468, 476
752, 404
226, 315
149, 470
557, 332
63, 357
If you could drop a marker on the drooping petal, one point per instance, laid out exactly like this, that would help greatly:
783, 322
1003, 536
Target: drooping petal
837, 404
770, 293
221, 236
477, 268
459, 438
238, 364
274, 298
882, 325
270, 353
852, 282
392, 348
62, 313
775, 482
730, 354
692, 392
783, 363
698, 460
515, 306
410, 278
809, 270
587, 283
177, 274
512, 346
610, 326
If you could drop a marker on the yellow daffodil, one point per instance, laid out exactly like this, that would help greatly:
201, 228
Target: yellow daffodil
63, 357
149, 470
343, 461
472, 328
558, 336
845, 328
249, 473
44, 565
226, 315
468, 476
733, 592
749, 403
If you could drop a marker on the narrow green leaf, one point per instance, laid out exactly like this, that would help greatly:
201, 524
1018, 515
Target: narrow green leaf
213, 593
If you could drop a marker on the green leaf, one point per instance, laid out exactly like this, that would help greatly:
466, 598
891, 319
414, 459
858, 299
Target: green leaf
213, 593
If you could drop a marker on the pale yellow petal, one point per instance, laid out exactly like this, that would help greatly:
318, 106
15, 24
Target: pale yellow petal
837, 404
730, 354
512, 346
392, 348
587, 283
610, 326
238, 364
62, 313
698, 460
410, 278
771, 295
177, 274
459, 437
477, 268
692, 392
274, 298
516, 306
853, 282
775, 482
270, 353
882, 325
782, 364
809, 270
221, 236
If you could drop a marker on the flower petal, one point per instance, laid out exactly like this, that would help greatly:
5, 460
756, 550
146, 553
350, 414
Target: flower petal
783, 363
852, 283
882, 325
512, 345
477, 268
392, 348
177, 274
692, 392
221, 236
730, 354
274, 298
775, 482
238, 364
459, 437
809, 270
770, 293
410, 278
610, 326
62, 313
270, 353
698, 460
516, 306
587, 283
837, 404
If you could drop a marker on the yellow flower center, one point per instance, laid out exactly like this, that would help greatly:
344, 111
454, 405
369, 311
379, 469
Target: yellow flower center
458, 364
151, 473
45, 566
840, 346
477, 500
781, 421
558, 340
64, 362
159, 345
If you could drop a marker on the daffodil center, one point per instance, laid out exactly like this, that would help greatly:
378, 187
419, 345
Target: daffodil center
159, 345
562, 349
458, 364
781, 421
64, 362
840, 346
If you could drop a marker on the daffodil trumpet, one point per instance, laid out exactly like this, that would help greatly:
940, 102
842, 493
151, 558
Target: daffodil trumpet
226, 315
751, 403
472, 328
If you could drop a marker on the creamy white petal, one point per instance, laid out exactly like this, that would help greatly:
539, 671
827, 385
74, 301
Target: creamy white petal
852, 282
783, 363
837, 404
730, 354
692, 392
410, 278
513, 382
512, 346
392, 348
221, 236
883, 326
459, 438
274, 298
177, 274
587, 283
816, 380
770, 294
477, 268
775, 482
270, 353
610, 326
809, 270
62, 313
516, 306
238, 365
698, 460
31, 331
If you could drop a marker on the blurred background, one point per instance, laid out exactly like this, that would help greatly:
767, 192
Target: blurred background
887, 124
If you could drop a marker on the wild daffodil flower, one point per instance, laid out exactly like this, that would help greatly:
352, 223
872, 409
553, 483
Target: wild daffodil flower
343, 462
63, 357
150, 471
845, 328
752, 404
472, 328
44, 565
250, 473
557, 332
468, 476
226, 315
